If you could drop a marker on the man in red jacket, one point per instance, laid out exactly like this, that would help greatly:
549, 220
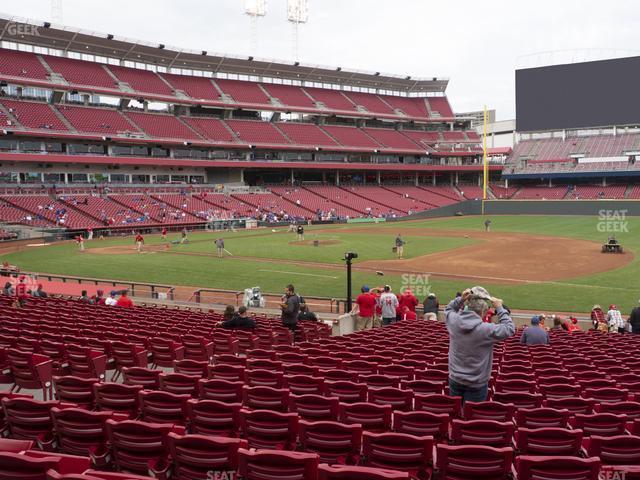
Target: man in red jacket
408, 299
21, 291
124, 301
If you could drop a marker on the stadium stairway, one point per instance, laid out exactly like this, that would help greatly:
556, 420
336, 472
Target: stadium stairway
132, 208
333, 200
368, 199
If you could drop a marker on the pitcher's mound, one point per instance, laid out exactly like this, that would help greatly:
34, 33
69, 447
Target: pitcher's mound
311, 243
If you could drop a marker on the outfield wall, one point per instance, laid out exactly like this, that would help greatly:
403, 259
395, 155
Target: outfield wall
595, 208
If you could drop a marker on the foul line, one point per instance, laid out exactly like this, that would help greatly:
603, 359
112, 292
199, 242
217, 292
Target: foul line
297, 273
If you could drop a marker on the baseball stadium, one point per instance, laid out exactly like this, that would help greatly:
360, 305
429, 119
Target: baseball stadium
173, 220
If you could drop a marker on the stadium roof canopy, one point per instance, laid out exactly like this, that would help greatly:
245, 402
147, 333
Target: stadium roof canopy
67, 39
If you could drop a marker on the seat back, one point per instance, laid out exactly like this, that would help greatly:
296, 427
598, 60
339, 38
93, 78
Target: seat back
565, 468
220, 390
275, 465
372, 417
616, 450
116, 397
194, 456
339, 472
211, 417
398, 451
482, 432
548, 441
76, 390
79, 432
314, 407
157, 406
422, 424
269, 429
473, 462
335, 443
179, 383
542, 417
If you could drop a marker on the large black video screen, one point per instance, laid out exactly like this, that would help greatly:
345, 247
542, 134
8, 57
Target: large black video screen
589, 94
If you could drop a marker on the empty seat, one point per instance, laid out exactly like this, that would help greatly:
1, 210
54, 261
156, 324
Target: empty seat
398, 451
616, 450
272, 465
179, 383
481, 432
548, 441
221, 390
574, 405
211, 417
519, 399
542, 417
266, 398
340, 472
269, 429
335, 443
470, 462
314, 407
372, 417
163, 407
422, 424
117, 398
347, 392
490, 410
439, 404
29, 419
567, 468
304, 384
31, 371
75, 390
196, 456
601, 424
79, 432
397, 398
145, 377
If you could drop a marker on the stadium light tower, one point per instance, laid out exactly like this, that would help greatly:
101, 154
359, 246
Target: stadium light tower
56, 11
254, 9
297, 13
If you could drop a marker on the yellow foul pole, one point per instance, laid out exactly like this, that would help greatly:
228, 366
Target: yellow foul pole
484, 157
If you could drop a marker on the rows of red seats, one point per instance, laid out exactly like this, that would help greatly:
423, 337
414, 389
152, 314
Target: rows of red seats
374, 399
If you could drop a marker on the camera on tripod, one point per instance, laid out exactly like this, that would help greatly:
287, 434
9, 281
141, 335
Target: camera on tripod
350, 255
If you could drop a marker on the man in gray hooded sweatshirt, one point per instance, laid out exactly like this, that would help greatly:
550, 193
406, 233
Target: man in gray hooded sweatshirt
471, 342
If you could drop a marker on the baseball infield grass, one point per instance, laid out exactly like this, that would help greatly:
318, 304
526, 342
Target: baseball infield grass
274, 265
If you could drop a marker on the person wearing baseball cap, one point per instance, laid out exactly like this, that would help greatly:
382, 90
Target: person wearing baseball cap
535, 334
634, 319
364, 309
471, 342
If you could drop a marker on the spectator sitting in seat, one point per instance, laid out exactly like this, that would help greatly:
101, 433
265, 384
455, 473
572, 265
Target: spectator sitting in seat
471, 342
98, 298
21, 292
407, 314
306, 315
573, 325
229, 313
39, 292
111, 301
558, 323
124, 300
84, 298
8, 289
240, 320
535, 335
431, 306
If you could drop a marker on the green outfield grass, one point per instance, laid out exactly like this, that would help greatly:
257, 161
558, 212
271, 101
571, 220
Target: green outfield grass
621, 286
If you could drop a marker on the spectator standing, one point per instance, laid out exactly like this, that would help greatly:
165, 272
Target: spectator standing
409, 300
634, 320
8, 289
389, 305
124, 300
535, 334
597, 318
377, 312
290, 308
364, 308
471, 342
21, 291
615, 320
431, 307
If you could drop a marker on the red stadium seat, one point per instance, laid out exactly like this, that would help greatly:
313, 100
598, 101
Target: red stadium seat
31, 371
145, 377
211, 417
600, 424
472, 462
616, 450
489, 410
481, 432
179, 383
542, 417
372, 417
313, 407
269, 429
274, 465
397, 398
340, 472
422, 424
304, 384
164, 352
398, 451
548, 441
79, 432
569, 468
266, 398
76, 390
162, 407
435, 403
333, 442
347, 392
220, 390
117, 398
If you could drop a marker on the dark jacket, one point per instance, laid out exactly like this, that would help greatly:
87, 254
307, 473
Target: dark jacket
239, 322
291, 310
634, 320
431, 305
307, 317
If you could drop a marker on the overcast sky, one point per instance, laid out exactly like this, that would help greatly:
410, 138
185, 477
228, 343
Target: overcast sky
477, 45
